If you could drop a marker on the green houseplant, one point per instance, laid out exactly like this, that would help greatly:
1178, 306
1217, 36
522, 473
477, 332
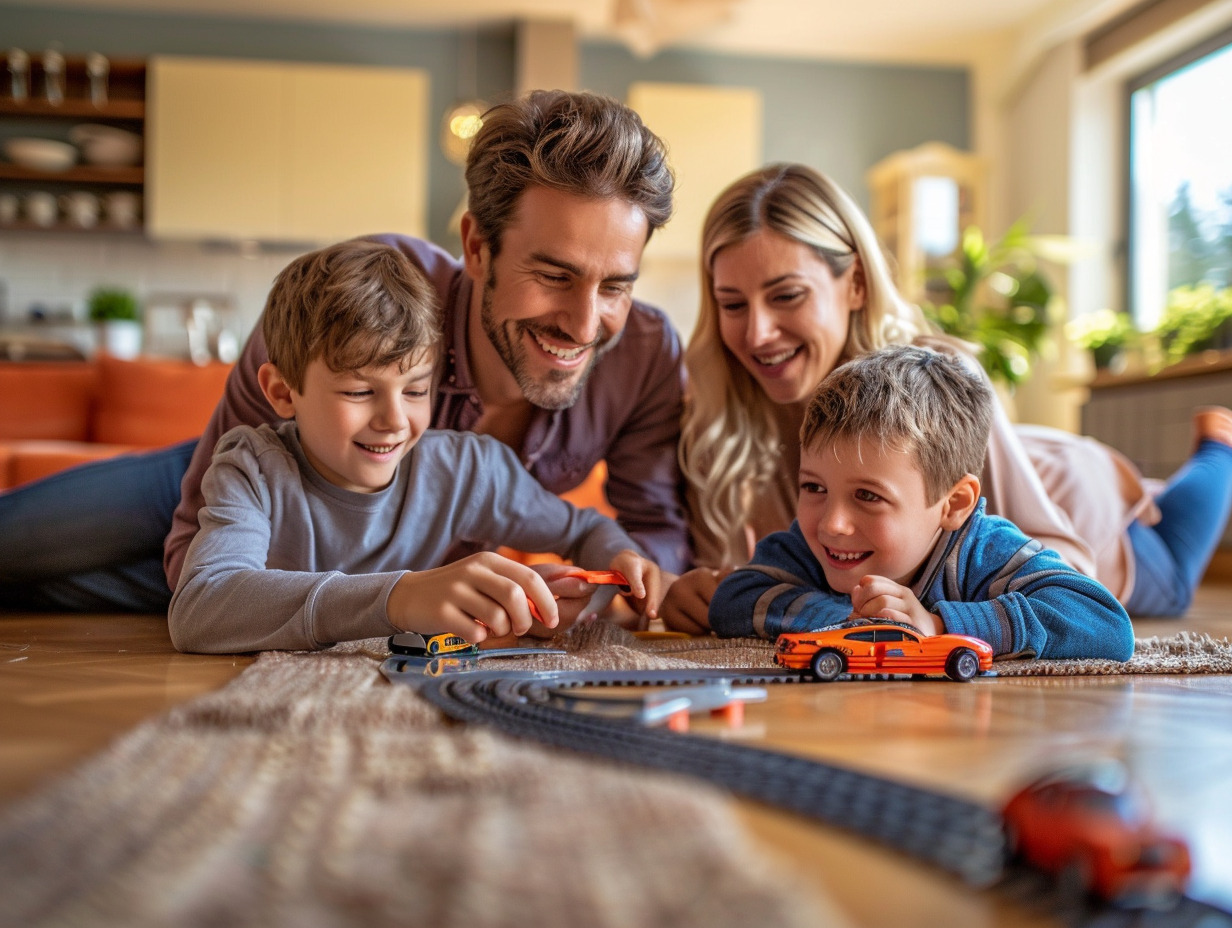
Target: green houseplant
1104, 333
1196, 318
997, 299
118, 315
106, 304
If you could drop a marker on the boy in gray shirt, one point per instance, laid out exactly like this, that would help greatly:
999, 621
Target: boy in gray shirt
339, 524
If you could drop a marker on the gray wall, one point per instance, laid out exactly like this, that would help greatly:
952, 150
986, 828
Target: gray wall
839, 117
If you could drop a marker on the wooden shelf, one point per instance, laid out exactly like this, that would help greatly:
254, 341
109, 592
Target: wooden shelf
125, 91
73, 109
61, 226
1196, 365
125, 105
80, 174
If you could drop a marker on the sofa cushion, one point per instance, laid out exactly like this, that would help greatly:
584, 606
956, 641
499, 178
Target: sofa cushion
152, 403
23, 461
50, 400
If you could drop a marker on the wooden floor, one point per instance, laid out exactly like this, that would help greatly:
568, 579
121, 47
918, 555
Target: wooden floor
69, 684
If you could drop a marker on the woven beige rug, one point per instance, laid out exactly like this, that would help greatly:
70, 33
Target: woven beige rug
1184, 652
310, 792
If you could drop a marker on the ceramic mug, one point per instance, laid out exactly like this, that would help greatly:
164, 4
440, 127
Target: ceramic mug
81, 208
41, 208
122, 208
9, 206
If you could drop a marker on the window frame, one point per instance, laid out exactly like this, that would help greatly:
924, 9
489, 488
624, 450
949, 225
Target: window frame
1182, 59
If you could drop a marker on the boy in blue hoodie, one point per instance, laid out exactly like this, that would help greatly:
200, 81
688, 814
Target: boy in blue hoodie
890, 523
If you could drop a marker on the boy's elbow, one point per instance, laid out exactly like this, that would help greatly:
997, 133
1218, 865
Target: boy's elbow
184, 637
1123, 644
727, 620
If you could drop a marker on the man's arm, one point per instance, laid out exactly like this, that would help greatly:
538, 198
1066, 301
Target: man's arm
644, 483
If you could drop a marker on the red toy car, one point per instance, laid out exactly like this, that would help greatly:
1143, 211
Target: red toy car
881, 646
1091, 828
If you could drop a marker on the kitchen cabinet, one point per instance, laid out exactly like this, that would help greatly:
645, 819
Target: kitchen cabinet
287, 152
34, 115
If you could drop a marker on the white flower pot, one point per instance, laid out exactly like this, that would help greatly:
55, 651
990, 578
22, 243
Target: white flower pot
120, 338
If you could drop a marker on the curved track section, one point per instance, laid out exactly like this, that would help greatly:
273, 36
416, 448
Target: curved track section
961, 837
964, 838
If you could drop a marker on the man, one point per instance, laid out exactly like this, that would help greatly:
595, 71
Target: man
545, 349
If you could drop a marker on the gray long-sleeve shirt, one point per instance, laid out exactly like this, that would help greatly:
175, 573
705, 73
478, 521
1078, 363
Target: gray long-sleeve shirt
628, 415
286, 560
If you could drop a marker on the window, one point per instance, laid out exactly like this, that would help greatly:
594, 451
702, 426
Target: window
1180, 177
891, 635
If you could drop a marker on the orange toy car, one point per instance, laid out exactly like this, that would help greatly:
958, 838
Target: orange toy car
613, 577
881, 646
1091, 827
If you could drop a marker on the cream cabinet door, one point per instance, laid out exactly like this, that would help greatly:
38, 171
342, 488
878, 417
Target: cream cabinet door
284, 152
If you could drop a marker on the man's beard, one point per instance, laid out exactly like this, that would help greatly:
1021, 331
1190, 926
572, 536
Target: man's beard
555, 389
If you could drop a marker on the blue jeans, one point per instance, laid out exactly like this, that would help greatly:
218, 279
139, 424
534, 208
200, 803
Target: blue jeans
1171, 556
90, 539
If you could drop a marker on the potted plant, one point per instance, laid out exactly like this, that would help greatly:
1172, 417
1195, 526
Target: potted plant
998, 300
1104, 333
118, 315
1196, 318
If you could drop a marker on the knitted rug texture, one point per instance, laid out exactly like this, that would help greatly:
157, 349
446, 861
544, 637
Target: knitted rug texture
311, 792
1182, 653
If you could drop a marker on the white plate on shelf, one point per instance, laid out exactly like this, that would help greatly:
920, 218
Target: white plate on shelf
40, 154
106, 146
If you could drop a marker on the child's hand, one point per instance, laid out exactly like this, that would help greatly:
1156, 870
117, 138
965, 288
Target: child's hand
576, 599
875, 597
479, 597
686, 605
645, 583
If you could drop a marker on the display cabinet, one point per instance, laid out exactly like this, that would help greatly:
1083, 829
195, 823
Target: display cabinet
921, 200
32, 106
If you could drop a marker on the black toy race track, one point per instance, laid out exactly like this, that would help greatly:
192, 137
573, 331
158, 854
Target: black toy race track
961, 837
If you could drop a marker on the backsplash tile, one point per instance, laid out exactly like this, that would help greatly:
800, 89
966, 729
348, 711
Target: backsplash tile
58, 271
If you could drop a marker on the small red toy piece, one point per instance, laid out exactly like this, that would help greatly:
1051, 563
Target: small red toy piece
590, 576
1091, 827
881, 646
672, 707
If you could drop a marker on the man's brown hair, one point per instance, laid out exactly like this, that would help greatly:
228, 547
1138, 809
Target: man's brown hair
580, 143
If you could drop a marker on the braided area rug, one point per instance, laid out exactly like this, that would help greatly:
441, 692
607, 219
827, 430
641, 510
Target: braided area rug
310, 792
1182, 653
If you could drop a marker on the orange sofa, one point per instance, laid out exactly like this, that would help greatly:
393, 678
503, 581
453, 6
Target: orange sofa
57, 414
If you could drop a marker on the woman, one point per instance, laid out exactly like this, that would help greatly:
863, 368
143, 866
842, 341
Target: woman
793, 284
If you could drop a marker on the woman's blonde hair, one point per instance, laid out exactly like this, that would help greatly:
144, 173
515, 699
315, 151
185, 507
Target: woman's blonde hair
730, 446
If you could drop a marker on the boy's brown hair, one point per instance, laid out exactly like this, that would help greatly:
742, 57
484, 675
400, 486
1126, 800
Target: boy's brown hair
580, 143
355, 304
907, 399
